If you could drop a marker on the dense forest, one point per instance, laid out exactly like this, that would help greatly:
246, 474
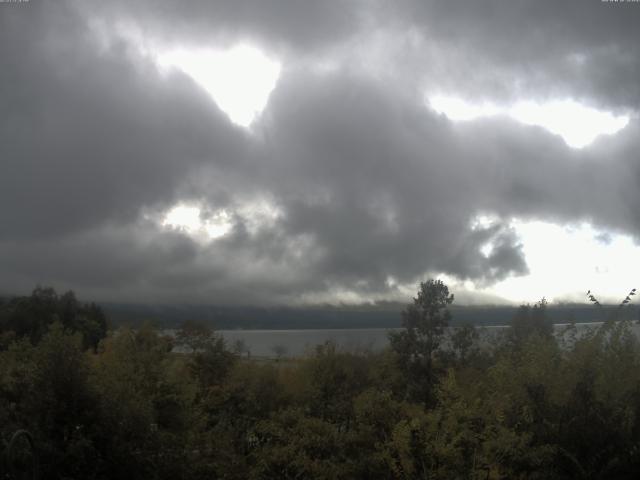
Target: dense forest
439, 403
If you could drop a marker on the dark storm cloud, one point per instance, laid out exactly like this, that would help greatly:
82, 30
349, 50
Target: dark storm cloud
370, 188
504, 258
105, 257
388, 188
505, 50
375, 179
89, 136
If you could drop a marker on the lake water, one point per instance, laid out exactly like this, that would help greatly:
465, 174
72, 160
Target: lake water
263, 343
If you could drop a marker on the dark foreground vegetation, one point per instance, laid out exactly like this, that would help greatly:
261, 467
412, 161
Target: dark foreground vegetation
121, 405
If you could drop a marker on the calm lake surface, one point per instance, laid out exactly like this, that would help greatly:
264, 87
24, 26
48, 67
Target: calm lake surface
263, 343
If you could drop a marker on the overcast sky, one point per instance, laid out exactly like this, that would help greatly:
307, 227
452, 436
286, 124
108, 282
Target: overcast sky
294, 152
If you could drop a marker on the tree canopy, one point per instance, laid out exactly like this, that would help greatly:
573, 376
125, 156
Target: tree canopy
439, 403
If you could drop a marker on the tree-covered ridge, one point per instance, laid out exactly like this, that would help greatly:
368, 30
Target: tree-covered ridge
531, 405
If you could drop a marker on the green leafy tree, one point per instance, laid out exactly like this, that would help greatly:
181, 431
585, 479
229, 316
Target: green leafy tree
194, 336
424, 322
464, 342
45, 389
31, 316
530, 320
333, 379
145, 399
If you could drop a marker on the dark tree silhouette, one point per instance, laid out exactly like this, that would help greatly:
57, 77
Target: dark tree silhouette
424, 323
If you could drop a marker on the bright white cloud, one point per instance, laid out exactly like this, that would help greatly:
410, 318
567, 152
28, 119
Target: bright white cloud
565, 262
239, 80
189, 219
483, 221
577, 124
194, 220
457, 109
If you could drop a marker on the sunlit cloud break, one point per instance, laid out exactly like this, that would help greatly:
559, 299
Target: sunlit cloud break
189, 219
239, 79
577, 124
565, 261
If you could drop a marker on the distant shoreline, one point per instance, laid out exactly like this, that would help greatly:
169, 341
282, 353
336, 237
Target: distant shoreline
317, 318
